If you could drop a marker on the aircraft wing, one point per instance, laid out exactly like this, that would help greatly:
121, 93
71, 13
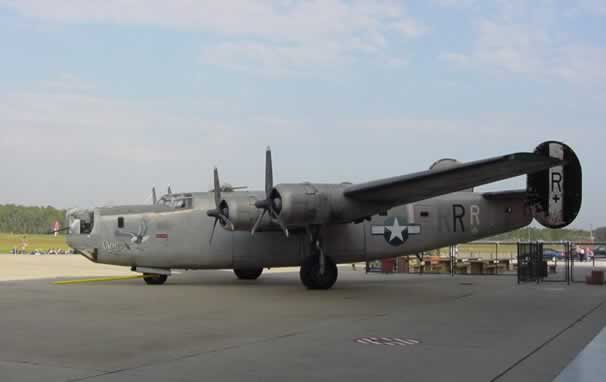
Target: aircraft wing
428, 184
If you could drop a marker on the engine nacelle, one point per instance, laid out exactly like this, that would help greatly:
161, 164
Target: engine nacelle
314, 204
445, 163
559, 189
301, 204
240, 208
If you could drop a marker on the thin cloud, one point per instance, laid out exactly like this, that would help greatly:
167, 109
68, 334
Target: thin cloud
528, 39
286, 37
94, 127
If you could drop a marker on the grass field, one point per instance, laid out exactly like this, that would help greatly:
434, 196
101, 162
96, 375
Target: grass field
483, 248
43, 242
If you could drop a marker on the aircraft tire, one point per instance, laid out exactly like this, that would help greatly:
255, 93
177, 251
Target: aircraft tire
154, 279
310, 273
248, 274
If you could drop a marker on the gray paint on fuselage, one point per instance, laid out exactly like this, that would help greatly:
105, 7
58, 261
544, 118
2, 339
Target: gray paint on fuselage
180, 238
475, 218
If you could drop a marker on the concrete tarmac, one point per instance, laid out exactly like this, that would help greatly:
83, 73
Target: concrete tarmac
28, 267
206, 325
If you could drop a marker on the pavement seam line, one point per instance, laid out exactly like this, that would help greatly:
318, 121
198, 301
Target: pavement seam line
97, 375
40, 364
187, 356
549, 340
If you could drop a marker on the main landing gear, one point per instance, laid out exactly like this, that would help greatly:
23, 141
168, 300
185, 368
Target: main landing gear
248, 274
318, 271
154, 279
311, 275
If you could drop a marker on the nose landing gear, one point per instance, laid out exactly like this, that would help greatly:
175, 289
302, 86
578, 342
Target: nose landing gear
154, 279
248, 273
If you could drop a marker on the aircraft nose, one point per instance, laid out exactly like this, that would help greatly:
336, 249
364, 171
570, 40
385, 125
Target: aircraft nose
80, 237
80, 221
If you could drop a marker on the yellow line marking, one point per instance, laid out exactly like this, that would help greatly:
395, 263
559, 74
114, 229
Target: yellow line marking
97, 280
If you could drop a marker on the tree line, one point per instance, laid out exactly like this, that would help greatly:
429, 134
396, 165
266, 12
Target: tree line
600, 234
545, 234
29, 220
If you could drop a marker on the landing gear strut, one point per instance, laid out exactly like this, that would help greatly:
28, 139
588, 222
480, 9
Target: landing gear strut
318, 271
248, 274
154, 279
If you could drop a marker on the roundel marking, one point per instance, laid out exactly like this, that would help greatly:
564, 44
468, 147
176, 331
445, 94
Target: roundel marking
395, 234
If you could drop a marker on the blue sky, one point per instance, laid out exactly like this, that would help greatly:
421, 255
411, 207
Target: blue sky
101, 99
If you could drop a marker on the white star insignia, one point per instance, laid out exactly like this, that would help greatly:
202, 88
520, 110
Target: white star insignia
396, 230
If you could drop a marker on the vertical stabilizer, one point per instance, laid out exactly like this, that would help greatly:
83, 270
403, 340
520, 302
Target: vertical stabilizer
559, 189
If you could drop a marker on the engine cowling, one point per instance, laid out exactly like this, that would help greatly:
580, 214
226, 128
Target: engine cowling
445, 163
315, 204
240, 208
301, 204
559, 189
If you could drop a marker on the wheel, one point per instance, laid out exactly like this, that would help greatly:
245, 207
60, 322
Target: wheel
248, 274
310, 273
154, 279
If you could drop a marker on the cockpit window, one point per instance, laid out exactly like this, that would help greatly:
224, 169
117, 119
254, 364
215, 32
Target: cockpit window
80, 221
177, 201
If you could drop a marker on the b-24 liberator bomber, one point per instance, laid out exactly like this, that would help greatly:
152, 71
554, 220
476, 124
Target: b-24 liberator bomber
317, 226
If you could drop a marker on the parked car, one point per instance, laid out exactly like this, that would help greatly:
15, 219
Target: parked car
599, 252
552, 255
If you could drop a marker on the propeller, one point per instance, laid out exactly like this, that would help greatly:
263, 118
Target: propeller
170, 192
54, 231
154, 197
226, 187
272, 204
221, 211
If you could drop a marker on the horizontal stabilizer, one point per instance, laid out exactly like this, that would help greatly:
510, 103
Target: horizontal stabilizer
509, 195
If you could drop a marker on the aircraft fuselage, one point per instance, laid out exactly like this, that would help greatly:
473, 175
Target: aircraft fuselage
147, 236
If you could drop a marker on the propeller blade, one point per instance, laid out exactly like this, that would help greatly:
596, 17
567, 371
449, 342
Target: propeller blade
170, 192
269, 176
217, 188
276, 219
154, 198
266, 204
257, 223
51, 232
212, 233
226, 221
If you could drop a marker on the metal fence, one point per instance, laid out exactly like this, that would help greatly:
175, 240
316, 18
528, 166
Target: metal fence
479, 258
537, 263
587, 257
561, 261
